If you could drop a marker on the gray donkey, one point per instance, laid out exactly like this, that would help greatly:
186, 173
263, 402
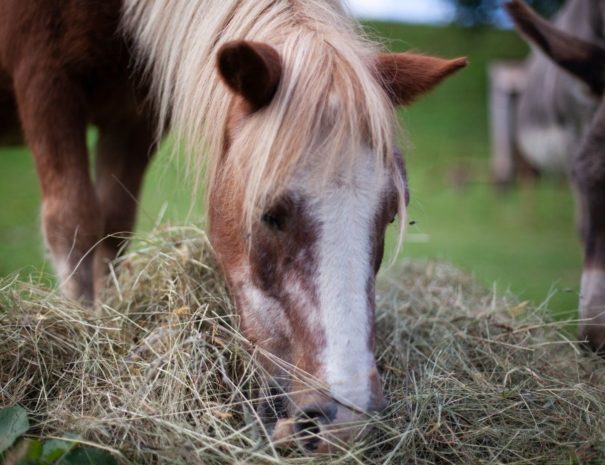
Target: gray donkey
562, 117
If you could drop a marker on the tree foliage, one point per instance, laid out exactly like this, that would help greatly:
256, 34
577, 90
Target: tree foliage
480, 12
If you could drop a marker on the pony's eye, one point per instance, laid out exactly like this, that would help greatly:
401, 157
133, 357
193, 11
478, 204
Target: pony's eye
272, 221
393, 219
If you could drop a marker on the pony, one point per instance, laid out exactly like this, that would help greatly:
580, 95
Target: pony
562, 123
286, 111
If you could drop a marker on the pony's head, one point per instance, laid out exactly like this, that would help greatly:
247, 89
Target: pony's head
296, 125
299, 204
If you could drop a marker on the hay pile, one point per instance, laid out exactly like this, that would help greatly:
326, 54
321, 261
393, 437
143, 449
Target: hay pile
159, 374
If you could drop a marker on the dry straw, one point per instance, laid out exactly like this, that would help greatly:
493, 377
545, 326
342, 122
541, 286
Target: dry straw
160, 375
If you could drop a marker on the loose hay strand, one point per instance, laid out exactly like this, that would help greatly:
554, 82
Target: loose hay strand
160, 373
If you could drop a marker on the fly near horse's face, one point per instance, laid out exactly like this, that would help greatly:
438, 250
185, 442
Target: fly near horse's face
302, 260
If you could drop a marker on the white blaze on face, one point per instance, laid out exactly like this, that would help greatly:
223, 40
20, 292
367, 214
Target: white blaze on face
346, 216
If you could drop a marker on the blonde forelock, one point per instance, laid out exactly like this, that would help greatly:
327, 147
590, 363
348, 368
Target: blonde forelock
329, 102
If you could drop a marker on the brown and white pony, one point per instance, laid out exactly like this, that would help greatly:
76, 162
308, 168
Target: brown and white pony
287, 110
562, 118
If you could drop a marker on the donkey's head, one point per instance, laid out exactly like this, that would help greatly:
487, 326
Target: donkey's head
306, 188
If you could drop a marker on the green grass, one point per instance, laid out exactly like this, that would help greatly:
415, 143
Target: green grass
523, 239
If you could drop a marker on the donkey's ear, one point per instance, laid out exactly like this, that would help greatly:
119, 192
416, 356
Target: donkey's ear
583, 59
406, 76
250, 69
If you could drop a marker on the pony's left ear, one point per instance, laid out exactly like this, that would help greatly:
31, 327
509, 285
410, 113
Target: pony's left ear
250, 69
406, 76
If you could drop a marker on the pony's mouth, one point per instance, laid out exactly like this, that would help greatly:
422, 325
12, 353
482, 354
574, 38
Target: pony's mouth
317, 434
286, 430
314, 429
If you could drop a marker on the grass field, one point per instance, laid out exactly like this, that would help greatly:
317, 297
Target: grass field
523, 239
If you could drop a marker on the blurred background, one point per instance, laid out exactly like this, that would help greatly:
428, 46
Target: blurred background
520, 238
469, 13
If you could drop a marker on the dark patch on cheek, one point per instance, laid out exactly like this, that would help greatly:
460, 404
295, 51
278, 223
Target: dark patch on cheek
279, 255
265, 260
386, 212
284, 258
400, 164
378, 253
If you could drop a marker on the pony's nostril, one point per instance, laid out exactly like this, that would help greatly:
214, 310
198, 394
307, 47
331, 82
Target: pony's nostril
308, 425
309, 422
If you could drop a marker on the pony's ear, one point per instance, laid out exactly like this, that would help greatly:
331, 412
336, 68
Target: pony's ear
583, 59
250, 69
406, 76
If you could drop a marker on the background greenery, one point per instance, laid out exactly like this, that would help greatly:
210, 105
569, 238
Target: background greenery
522, 239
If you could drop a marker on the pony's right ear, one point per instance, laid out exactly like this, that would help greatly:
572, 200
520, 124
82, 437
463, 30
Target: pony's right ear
250, 69
406, 76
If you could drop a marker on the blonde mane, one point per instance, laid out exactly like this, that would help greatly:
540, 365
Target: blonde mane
329, 101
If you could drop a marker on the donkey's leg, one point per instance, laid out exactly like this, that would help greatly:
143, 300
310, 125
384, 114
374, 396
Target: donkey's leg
52, 108
592, 296
589, 177
124, 150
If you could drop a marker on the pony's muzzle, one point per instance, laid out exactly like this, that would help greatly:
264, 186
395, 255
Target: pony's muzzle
323, 428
